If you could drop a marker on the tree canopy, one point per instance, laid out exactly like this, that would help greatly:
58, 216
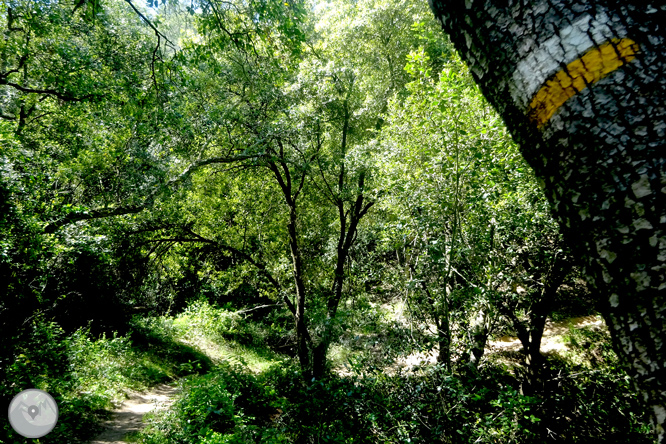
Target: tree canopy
322, 180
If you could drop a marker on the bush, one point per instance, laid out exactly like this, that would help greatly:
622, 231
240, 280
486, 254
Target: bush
230, 406
593, 405
86, 376
42, 360
225, 406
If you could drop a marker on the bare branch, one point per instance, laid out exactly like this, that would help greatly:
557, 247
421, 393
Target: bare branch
148, 22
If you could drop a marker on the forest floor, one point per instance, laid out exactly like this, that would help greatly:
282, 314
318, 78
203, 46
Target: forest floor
552, 341
129, 417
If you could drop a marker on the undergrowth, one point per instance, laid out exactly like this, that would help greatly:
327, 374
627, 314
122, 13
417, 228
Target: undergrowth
232, 404
87, 376
223, 335
248, 394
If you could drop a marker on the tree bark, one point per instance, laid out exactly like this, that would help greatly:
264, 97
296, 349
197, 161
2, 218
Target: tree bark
346, 239
478, 337
582, 89
301, 328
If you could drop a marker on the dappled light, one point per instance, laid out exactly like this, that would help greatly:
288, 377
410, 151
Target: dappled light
317, 222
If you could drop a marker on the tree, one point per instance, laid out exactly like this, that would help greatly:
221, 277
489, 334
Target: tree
291, 123
471, 230
581, 88
434, 144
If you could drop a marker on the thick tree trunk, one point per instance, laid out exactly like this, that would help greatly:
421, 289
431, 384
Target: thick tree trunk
581, 86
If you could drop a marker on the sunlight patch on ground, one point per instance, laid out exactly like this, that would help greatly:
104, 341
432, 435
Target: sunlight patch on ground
219, 352
552, 340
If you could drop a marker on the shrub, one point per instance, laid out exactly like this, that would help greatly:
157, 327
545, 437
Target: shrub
224, 406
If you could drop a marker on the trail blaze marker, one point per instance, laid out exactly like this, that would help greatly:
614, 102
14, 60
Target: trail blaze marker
593, 66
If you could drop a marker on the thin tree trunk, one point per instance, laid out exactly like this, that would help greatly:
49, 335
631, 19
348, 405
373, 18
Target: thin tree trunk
301, 327
303, 339
478, 332
581, 87
444, 333
345, 242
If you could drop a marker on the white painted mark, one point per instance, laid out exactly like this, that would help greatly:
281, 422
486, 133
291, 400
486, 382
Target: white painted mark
559, 50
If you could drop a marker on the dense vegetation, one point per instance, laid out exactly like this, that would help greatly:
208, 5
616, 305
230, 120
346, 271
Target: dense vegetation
279, 204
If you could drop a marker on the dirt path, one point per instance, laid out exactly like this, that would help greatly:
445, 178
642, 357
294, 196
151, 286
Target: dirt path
552, 335
129, 417
552, 341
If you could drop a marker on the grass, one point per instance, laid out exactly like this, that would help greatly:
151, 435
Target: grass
235, 389
90, 375
224, 336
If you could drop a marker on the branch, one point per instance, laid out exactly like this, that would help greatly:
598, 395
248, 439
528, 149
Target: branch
247, 257
332, 196
143, 17
283, 164
91, 214
283, 186
365, 209
261, 267
152, 63
148, 201
52, 92
256, 308
300, 186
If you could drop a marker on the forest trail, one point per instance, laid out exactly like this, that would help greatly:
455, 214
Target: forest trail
552, 334
129, 417
552, 341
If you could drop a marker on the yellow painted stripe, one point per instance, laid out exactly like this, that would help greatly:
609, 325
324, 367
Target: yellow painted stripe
593, 66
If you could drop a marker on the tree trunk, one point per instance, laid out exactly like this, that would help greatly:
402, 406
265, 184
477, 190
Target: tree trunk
346, 239
444, 332
581, 87
302, 334
478, 337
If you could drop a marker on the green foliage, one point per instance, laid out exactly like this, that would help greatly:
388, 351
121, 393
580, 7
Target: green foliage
231, 406
171, 179
589, 347
227, 405
87, 375
598, 405
106, 367
42, 361
431, 405
222, 334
